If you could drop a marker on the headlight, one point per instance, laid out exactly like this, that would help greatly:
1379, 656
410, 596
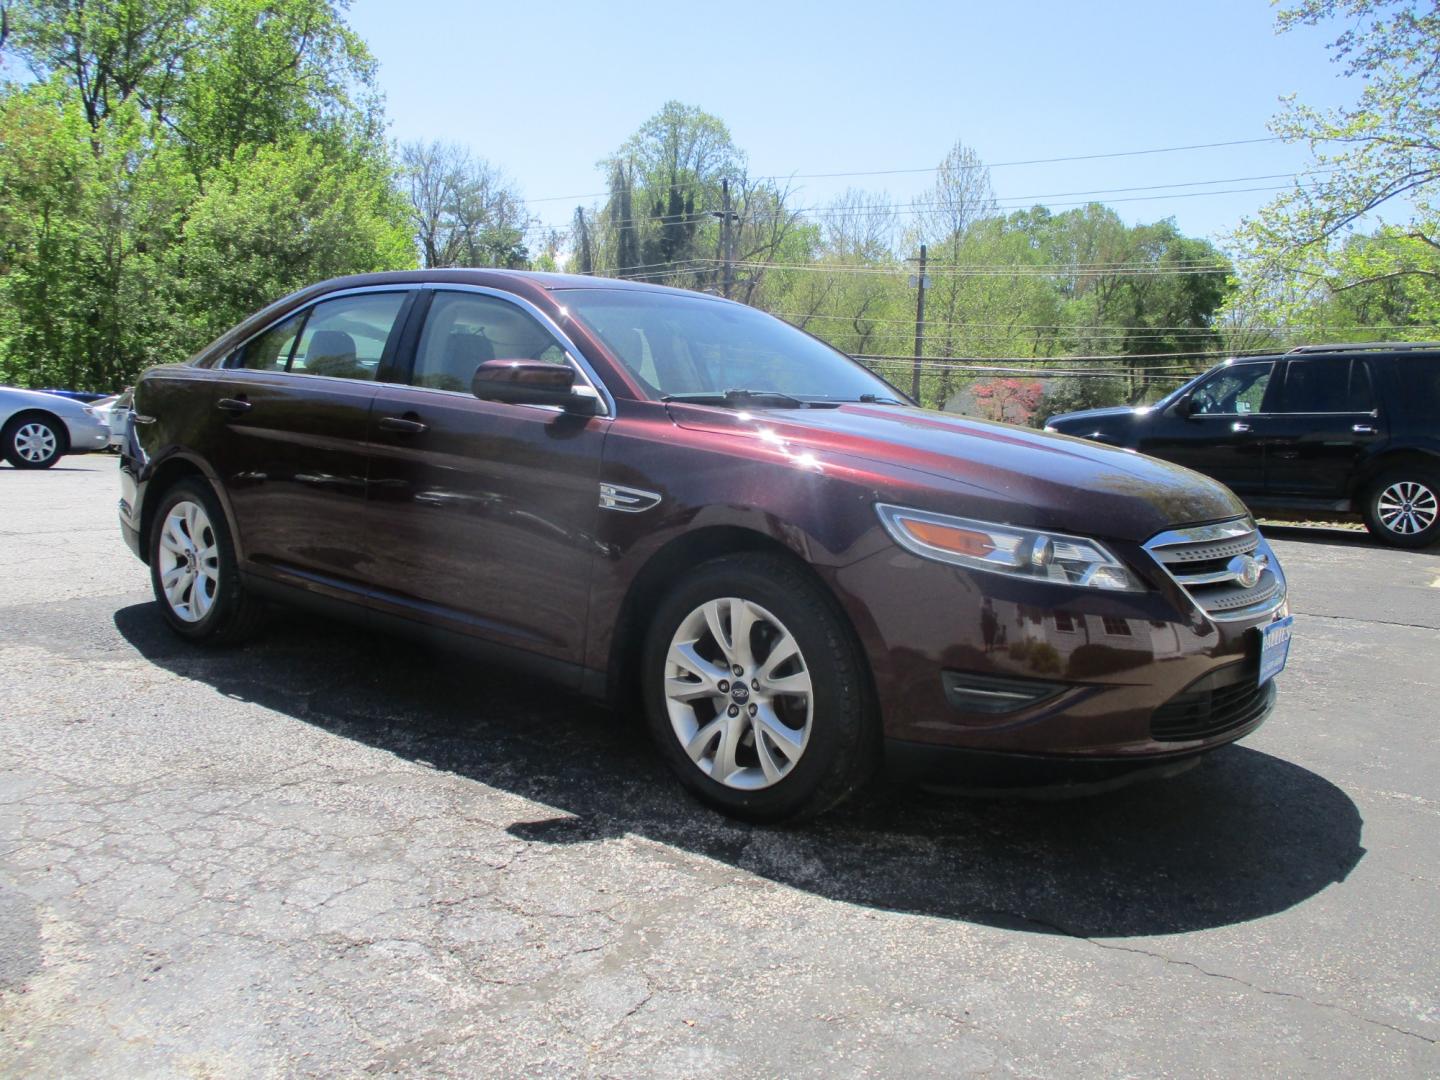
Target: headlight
1050, 429
1007, 549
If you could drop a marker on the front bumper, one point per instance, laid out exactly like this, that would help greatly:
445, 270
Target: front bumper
1133, 678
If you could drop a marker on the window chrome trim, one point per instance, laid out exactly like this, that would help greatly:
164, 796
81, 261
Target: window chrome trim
572, 352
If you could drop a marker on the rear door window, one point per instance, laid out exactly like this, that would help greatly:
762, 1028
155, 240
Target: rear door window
1327, 386
345, 338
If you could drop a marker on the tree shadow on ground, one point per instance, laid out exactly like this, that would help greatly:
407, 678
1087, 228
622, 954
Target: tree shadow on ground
1242, 836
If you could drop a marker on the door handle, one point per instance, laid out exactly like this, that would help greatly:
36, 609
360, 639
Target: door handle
1239, 425
401, 426
234, 406
1363, 429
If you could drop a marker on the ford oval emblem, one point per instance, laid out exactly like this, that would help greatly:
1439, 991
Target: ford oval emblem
1247, 570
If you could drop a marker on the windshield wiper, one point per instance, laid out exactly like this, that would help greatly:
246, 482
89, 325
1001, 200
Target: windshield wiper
880, 399
740, 398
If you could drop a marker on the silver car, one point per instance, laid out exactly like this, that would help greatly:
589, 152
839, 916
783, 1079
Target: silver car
37, 428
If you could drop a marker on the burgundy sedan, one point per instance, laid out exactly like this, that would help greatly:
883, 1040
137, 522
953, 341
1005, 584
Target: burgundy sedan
688, 507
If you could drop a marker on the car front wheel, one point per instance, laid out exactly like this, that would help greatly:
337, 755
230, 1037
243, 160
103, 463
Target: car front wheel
756, 690
32, 442
193, 569
1403, 508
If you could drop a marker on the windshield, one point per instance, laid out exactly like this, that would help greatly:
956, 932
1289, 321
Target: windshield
677, 345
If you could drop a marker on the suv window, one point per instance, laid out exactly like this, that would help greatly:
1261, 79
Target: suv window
464, 330
270, 351
345, 338
1327, 386
1235, 390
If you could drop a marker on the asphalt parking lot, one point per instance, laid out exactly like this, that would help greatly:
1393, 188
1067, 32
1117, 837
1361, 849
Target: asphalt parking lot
332, 854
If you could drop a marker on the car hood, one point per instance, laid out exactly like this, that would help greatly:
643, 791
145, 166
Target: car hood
1114, 412
1038, 479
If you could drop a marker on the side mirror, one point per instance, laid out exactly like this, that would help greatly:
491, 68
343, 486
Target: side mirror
532, 382
1184, 408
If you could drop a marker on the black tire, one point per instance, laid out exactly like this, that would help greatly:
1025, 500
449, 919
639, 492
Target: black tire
843, 747
30, 423
1388, 491
233, 614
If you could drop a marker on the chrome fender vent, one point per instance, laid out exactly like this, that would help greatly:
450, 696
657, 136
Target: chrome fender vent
626, 499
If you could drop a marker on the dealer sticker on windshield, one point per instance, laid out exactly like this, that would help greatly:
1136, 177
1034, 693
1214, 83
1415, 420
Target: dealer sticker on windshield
1274, 648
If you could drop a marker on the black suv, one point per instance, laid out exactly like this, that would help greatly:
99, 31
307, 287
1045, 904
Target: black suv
1347, 428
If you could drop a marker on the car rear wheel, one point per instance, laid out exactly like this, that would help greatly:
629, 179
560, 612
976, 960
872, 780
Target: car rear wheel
193, 569
32, 442
756, 690
1402, 507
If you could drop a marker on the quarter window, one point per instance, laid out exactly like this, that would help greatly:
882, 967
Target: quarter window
270, 351
1232, 391
464, 330
1327, 386
345, 338
1420, 385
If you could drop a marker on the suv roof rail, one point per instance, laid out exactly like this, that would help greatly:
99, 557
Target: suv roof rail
1361, 346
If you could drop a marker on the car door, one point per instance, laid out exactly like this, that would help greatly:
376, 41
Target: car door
292, 408
1217, 428
483, 514
1325, 419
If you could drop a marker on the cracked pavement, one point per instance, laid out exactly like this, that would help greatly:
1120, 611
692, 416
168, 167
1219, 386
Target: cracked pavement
332, 853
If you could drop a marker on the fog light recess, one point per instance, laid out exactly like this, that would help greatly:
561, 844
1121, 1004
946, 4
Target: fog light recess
996, 695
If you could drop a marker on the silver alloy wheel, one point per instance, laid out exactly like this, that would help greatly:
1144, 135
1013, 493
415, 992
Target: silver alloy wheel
738, 694
189, 561
36, 442
1408, 507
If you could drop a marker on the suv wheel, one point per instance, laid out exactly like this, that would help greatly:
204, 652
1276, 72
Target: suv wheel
1402, 507
193, 569
756, 692
32, 442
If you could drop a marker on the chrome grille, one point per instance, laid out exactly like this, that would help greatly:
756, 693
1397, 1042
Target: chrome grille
1227, 569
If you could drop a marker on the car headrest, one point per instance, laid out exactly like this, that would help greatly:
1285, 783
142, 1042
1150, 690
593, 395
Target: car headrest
464, 352
332, 352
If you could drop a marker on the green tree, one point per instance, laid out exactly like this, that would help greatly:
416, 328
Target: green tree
278, 217
173, 165
464, 211
1377, 160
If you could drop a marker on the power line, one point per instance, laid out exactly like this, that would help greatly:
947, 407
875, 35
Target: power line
1100, 326
1019, 270
820, 214
942, 168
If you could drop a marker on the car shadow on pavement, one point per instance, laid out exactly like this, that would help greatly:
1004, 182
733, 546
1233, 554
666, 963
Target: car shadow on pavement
1241, 836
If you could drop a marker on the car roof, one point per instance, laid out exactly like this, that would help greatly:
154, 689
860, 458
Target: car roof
551, 282
1388, 350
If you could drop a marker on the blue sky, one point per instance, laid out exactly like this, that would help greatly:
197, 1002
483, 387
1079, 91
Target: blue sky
544, 91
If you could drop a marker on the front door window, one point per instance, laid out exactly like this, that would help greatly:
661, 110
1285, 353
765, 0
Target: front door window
1235, 391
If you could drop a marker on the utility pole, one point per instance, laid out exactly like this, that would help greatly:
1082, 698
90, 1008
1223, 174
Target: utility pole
921, 281
727, 242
